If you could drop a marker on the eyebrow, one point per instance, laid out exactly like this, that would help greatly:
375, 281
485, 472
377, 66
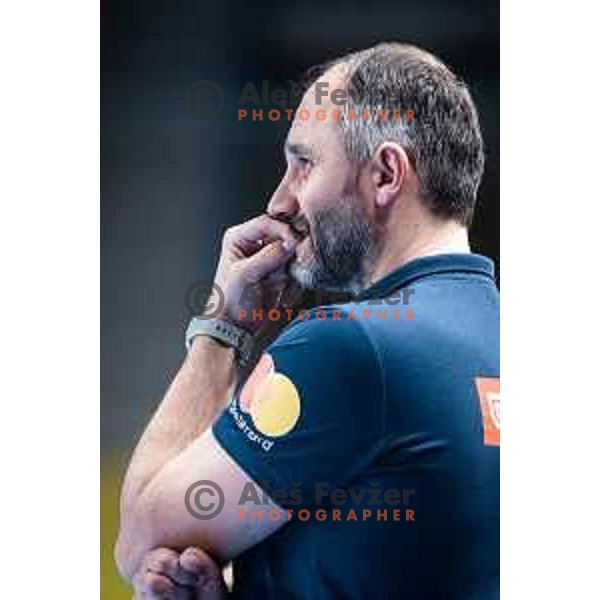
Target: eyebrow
297, 149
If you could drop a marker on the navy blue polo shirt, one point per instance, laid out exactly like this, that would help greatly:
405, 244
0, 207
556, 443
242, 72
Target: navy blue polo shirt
376, 425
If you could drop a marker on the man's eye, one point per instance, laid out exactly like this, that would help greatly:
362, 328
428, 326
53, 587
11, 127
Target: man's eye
304, 161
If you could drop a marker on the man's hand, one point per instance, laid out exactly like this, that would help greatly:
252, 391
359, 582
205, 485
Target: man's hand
252, 269
166, 574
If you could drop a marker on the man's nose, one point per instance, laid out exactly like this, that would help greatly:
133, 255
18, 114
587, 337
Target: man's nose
283, 204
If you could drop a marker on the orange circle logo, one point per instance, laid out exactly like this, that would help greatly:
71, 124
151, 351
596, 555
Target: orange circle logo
271, 399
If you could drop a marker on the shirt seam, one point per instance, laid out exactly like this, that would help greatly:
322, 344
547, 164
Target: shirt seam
382, 383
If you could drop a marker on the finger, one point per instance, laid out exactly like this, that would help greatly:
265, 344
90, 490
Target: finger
260, 231
270, 258
165, 561
299, 223
198, 563
211, 585
153, 586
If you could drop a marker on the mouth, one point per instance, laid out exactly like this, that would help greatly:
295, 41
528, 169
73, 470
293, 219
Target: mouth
300, 227
298, 224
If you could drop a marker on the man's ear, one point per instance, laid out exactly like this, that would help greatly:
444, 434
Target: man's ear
390, 169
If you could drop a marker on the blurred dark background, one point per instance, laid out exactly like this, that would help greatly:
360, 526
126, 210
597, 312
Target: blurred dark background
172, 179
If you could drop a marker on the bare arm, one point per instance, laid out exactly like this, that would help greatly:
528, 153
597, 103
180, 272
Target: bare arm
198, 393
177, 447
196, 397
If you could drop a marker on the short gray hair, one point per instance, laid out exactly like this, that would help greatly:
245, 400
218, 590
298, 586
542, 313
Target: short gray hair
443, 141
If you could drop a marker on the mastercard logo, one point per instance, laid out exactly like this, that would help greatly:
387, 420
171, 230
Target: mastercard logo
271, 399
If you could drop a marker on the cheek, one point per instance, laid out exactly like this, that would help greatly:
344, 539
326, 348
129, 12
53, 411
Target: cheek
320, 190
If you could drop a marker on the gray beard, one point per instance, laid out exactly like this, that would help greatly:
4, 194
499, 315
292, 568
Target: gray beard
344, 244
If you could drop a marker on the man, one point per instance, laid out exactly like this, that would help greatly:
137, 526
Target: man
398, 414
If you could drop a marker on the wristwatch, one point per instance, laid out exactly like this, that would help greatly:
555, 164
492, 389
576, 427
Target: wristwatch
227, 333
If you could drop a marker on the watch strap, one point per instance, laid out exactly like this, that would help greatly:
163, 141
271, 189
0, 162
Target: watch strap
225, 332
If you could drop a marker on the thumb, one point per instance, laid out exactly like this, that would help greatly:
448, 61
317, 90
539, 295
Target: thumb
270, 258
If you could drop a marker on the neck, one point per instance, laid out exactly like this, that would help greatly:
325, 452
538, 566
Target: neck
420, 240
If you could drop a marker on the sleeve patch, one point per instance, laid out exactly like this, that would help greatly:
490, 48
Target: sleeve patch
271, 399
488, 390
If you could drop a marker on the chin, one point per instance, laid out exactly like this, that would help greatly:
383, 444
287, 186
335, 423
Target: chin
303, 274
312, 278
303, 267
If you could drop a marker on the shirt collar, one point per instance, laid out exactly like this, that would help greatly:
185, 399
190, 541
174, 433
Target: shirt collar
427, 266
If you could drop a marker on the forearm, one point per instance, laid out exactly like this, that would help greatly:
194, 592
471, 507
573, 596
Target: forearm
196, 397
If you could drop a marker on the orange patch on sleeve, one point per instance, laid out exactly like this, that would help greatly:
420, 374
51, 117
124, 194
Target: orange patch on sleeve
259, 375
488, 390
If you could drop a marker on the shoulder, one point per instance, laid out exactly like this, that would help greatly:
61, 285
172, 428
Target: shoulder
329, 336
331, 325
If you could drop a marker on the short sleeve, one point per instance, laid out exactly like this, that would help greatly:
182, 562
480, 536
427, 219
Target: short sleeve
311, 412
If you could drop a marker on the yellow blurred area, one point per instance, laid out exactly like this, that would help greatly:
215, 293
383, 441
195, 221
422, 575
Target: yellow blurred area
112, 587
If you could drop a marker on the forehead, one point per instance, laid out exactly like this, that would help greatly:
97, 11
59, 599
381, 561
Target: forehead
312, 131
